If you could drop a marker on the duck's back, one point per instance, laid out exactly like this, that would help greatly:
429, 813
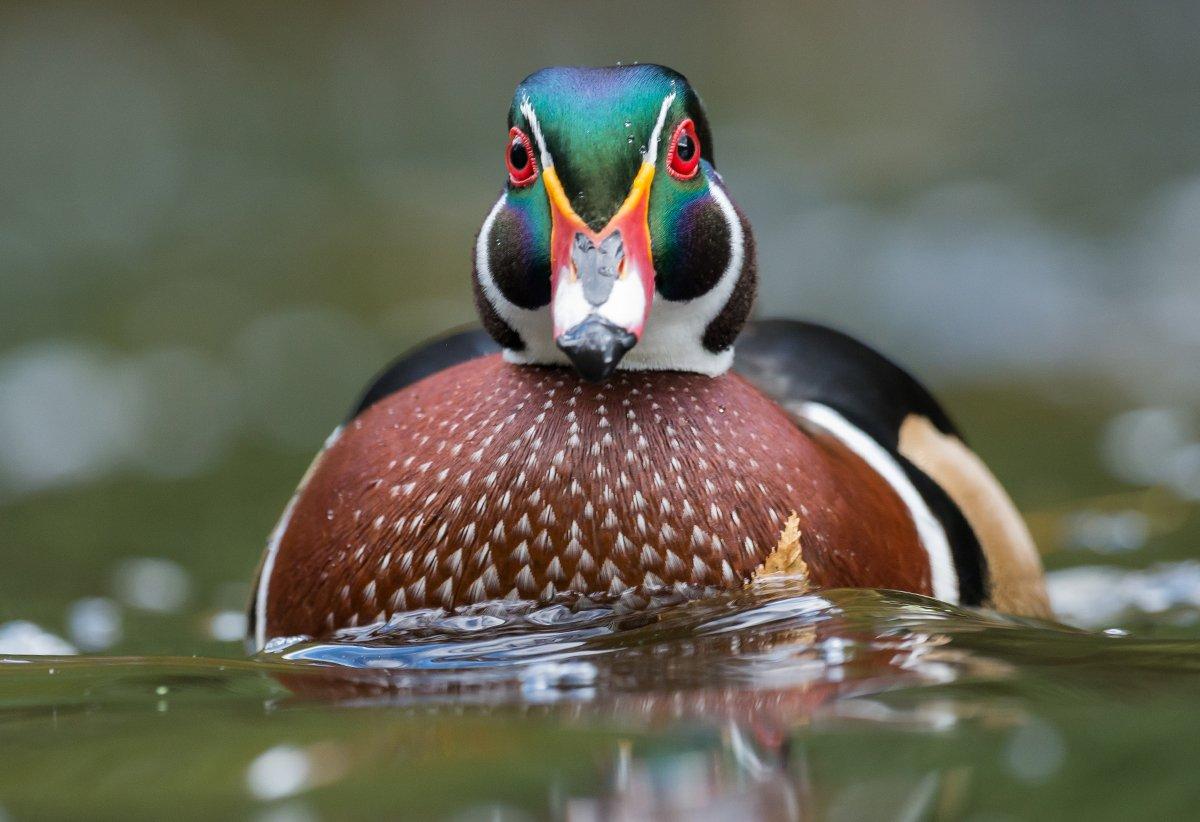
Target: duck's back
489, 480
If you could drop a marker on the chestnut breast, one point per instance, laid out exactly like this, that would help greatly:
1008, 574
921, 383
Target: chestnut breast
491, 480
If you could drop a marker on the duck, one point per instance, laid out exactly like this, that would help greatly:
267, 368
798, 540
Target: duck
618, 432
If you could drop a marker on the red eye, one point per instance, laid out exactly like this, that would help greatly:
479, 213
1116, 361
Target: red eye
522, 168
684, 157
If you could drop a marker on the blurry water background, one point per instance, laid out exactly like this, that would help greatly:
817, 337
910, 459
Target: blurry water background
217, 222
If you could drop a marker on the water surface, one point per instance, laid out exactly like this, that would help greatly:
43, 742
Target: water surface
768, 703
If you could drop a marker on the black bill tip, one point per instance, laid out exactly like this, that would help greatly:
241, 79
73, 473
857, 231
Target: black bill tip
595, 346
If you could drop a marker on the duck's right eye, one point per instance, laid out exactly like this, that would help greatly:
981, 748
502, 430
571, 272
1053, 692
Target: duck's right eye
522, 168
684, 156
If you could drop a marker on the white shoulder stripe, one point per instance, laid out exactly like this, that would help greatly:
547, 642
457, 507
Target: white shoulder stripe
933, 537
268, 566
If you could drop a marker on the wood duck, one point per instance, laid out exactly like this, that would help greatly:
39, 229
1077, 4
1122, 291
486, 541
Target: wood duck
602, 442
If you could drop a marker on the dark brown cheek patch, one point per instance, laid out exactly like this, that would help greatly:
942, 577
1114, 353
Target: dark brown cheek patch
725, 327
490, 480
493, 323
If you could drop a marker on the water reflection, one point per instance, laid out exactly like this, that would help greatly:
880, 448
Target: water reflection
766, 704
736, 681
740, 675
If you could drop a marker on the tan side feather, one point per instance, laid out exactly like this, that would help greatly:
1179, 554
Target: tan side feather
1018, 585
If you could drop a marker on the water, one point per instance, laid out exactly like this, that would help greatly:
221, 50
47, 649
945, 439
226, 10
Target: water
767, 703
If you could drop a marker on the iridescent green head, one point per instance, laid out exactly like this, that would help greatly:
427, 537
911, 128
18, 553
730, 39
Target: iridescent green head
614, 242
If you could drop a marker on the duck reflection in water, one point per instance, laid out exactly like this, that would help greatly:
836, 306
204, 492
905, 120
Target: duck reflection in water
741, 679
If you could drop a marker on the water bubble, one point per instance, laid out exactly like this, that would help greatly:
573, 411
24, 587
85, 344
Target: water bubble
1098, 596
278, 772
23, 638
94, 623
1035, 751
152, 584
1183, 472
47, 436
227, 626
1138, 445
167, 412
1108, 532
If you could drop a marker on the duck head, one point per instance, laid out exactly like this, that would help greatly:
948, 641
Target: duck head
614, 243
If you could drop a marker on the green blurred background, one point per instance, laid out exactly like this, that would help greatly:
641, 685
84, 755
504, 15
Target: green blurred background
217, 222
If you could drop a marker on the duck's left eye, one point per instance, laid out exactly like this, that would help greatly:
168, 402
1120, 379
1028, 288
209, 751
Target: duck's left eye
522, 168
684, 158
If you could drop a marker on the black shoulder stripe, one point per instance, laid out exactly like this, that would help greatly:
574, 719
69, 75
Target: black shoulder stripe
797, 362
426, 359
970, 564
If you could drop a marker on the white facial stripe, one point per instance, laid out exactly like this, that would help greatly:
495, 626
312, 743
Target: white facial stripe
531, 117
533, 325
651, 155
483, 266
943, 577
673, 334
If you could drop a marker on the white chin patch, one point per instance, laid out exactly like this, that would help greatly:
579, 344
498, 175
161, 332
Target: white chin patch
625, 306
